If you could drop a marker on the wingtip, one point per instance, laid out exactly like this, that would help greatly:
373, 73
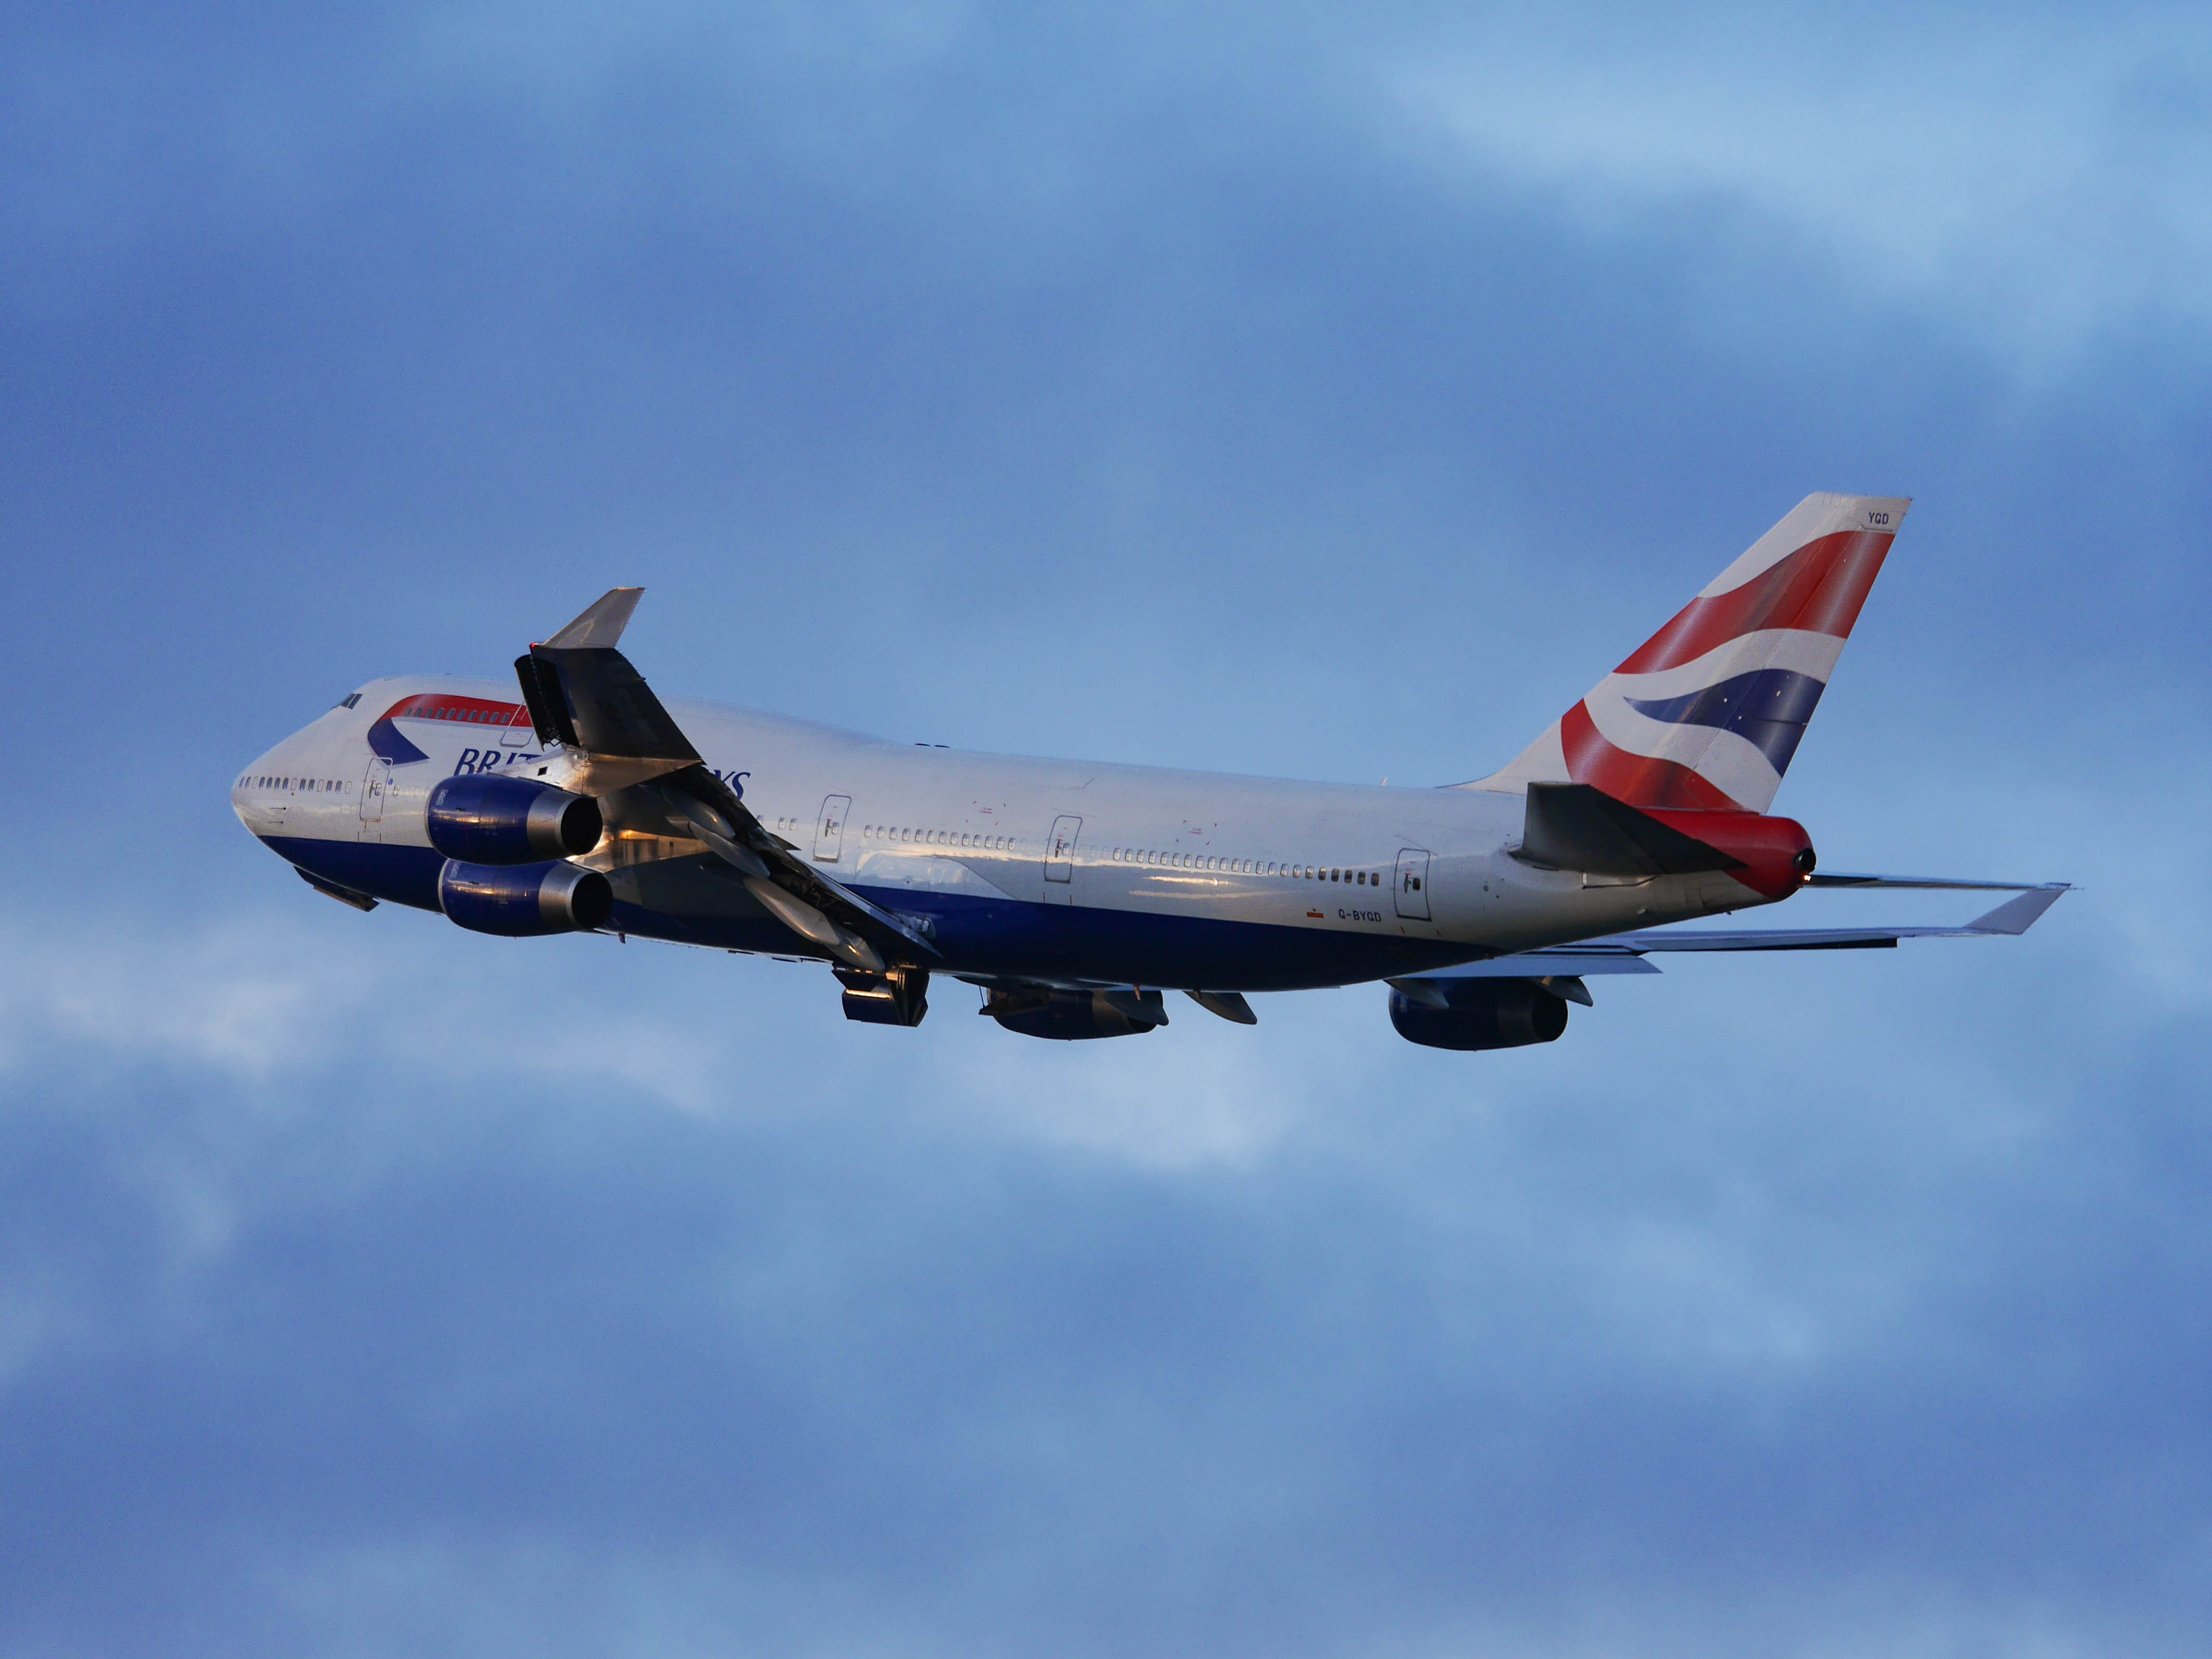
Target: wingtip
2016, 916
601, 623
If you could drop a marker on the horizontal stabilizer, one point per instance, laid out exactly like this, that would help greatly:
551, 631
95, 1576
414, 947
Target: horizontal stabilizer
2012, 917
2016, 916
1574, 826
1838, 878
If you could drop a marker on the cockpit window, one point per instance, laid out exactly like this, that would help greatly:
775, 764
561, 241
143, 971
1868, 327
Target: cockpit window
348, 702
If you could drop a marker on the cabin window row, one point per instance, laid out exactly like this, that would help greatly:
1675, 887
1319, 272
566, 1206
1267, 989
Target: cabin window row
1355, 876
265, 781
908, 836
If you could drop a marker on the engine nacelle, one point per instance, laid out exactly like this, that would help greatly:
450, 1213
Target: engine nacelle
1484, 1013
522, 900
1072, 1016
483, 818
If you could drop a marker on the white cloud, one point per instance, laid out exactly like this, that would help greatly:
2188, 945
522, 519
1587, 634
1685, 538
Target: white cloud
2047, 177
240, 998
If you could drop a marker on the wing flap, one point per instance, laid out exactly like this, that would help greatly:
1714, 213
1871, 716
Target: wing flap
586, 697
716, 814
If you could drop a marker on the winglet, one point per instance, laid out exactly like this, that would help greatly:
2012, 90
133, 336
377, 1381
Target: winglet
2017, 915
603, 624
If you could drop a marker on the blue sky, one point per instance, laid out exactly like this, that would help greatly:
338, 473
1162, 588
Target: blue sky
1262, 388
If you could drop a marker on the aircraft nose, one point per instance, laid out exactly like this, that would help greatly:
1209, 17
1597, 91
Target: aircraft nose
266, 793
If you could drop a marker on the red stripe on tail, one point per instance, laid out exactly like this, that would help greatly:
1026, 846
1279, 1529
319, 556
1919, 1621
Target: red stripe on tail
1639, 780
1819, 588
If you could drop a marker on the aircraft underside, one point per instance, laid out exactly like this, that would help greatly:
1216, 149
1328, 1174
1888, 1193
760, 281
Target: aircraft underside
992, 939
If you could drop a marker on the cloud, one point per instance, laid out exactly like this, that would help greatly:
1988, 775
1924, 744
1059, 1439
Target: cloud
2042, 178
236, 997
833, 1339
1279, 391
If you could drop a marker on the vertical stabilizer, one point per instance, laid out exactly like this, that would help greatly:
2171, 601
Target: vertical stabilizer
1707, 711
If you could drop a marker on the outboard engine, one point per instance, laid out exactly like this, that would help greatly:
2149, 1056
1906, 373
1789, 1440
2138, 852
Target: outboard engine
1484, 1013
522, 900
483, 818
1071, 1015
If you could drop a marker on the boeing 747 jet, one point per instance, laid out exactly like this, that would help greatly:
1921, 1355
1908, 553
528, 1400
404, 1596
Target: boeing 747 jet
1073, 896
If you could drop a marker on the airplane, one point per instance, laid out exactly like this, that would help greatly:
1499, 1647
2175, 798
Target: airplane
1074, 895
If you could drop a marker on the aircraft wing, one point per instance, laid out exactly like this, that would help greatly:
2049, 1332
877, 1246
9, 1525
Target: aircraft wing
612, 737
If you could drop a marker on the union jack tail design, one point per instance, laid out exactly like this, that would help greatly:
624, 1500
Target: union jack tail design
1707, 711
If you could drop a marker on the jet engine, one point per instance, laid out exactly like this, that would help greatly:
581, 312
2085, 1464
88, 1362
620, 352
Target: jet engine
522, 900
1484, 1013
1070, 1016
482, 818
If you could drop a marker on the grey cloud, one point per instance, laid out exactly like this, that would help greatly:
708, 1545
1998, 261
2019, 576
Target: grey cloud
1119, 386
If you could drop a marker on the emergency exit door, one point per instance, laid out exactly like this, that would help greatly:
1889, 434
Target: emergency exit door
1060, 860
375, 785
1412, 884
830, 827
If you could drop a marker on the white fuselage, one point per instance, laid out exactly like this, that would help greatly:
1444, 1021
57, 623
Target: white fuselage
1057, 868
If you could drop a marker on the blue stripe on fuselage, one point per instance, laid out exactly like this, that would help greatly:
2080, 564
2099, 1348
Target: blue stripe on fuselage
1001, 936
404, 875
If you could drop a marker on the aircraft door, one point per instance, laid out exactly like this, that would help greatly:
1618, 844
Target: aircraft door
375, 785
1412, 884
830, 827
1060, 860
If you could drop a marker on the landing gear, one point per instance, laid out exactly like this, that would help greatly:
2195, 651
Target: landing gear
897, 996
